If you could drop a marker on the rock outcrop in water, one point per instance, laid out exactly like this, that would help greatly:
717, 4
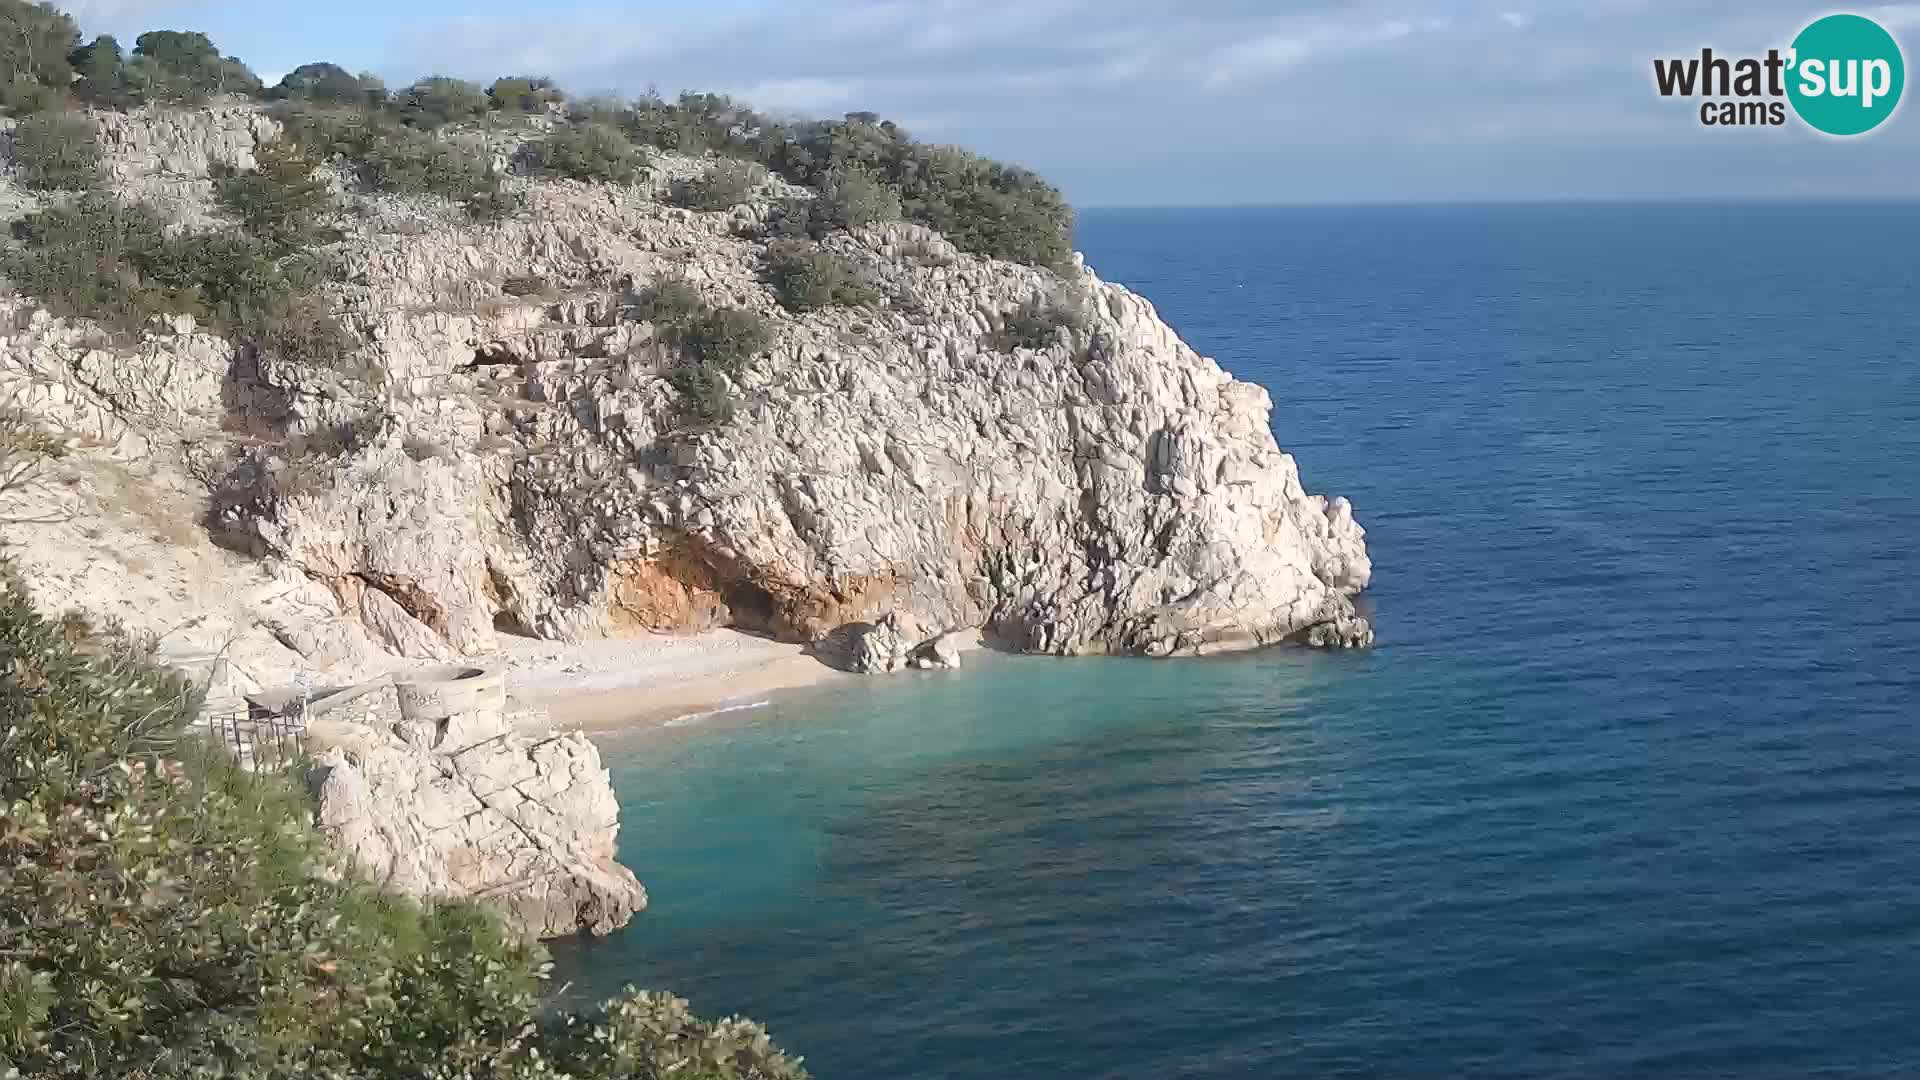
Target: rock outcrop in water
447, 799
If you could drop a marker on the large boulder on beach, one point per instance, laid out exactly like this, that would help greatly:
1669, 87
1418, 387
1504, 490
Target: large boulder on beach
472, 809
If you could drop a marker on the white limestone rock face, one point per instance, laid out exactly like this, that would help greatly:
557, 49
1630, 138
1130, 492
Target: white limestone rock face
530, 464
524, 825
1111, 492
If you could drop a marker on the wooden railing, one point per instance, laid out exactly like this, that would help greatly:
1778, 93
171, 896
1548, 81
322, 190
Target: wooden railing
260, 740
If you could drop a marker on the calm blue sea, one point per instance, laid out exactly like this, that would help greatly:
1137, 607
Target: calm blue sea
1630, 787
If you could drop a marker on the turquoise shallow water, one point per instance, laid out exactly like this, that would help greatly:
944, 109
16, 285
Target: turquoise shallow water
1631, 785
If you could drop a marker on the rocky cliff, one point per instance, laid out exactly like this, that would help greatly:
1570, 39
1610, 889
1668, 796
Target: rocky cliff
526, 465
507, 449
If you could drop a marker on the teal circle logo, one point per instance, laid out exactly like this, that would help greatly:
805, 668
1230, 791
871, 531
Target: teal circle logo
1846, 74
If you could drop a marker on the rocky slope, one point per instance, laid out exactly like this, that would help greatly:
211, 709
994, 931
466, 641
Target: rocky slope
526, 466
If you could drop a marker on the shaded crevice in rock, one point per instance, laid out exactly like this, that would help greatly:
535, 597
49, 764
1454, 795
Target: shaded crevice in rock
495, 354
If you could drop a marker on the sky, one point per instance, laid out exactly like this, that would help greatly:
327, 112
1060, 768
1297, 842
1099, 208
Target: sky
1178, 102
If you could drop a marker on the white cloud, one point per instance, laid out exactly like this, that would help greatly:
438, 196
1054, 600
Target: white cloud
88, 11
804, 95
1307, 39
1895, 16
1254, 89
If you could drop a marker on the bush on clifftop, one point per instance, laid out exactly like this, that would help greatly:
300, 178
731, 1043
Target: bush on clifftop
725, 185
867, 169
523, 94
166, 915
185, 68
983, 206
437, 101
392, 158
329, 84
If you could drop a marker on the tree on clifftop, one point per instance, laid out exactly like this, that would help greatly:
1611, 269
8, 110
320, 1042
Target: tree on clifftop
438, 100
523, 93
329, 84
179, 66
34, 42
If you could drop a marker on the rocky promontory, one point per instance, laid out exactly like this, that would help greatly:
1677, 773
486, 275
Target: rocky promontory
509, 438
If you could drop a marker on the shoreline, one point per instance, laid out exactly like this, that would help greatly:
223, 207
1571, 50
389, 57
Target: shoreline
616, 686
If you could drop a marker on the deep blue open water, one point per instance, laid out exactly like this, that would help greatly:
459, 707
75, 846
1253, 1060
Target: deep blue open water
1630, 787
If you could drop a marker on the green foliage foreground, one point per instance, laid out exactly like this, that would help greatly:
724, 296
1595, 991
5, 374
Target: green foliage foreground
166, 915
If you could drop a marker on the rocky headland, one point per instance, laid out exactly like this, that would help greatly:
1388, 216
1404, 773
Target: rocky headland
511, 445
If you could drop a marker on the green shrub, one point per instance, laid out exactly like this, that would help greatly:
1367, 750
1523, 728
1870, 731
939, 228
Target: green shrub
982, 206
437, 100
392, 158
713, 344
26, 450
35, 40
57, 151
529, 285
671, 302
115, 263
1037, 322
414, 163
523, 94
806, 278
281, 201
725, 185
100, 259
652, 1036
494, 203
589, 151
694, 124
725, 338
21, 95
328, 131
165, 914
602, 109
852, 199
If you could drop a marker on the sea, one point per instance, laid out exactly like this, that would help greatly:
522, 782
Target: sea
1630, 786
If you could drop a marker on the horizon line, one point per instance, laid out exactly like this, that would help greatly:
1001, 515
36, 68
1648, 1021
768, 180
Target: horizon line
1540, 200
